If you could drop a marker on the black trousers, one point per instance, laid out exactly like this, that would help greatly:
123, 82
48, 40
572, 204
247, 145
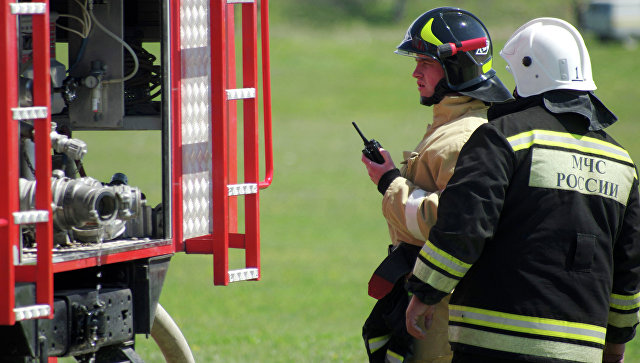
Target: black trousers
462, 357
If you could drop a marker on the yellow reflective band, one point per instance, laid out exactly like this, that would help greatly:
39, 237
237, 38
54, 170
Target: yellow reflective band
434, 278
624, 320
522, 345
569, 141
444, 260
393, 357
378, 342
625, 302
487, 66
428, 35
528, 324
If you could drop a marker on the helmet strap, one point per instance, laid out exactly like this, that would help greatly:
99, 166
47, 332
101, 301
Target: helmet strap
439, 91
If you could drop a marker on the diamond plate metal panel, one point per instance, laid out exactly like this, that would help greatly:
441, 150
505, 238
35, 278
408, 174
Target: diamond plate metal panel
196, 118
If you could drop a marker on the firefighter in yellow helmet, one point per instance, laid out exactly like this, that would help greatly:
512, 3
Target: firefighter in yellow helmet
453, 54
538, 231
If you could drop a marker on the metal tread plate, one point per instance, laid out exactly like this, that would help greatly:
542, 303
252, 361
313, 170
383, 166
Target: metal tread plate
243, 274
31, 312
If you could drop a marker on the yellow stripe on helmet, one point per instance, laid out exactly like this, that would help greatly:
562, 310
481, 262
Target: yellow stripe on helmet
428, 35
487, 66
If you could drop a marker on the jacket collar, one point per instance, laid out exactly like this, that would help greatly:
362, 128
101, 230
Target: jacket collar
453, 107
582, 103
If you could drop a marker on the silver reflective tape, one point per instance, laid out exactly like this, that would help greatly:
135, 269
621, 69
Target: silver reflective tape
625, 302
527, 324
443, 260
411, 212
378, 342
434, 278
393, 357
522, 345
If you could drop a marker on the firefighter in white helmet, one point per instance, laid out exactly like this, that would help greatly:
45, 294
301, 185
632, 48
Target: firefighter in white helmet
456, 78
538, 231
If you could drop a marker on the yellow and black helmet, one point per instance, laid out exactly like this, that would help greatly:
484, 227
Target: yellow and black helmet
467, 72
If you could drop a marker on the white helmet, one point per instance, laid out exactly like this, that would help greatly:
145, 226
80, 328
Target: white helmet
547, 54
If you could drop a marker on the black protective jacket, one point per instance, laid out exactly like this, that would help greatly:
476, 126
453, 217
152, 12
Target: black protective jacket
538, 231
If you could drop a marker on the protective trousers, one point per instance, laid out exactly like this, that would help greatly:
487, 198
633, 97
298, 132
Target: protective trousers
384, 332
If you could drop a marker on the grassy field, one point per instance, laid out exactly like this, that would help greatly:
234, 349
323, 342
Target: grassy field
322, 230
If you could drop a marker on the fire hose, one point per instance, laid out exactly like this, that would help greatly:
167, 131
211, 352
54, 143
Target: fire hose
169, 338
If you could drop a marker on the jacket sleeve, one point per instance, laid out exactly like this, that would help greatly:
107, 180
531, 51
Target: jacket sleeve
412, 210
470, 207
625, 297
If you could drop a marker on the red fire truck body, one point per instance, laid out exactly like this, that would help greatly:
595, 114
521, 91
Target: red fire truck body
82, 261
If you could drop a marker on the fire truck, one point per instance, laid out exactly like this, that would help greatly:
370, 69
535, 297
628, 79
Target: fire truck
82, 260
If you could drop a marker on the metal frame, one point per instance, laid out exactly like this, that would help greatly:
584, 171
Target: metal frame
9, 232
223, 134
10, 215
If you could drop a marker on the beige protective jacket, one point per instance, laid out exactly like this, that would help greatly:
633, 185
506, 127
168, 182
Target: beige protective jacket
411, 201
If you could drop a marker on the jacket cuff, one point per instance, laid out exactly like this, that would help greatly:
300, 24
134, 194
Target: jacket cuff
620, 335
424, 292
386, 180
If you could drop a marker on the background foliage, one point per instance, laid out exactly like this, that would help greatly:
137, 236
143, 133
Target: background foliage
322, 230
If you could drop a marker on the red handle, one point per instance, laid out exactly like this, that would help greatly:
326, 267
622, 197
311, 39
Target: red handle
472, 44
266, 84
450, 49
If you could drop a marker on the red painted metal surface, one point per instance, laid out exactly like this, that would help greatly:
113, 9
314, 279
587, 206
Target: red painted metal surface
42, 141
232, 114
9, 161
204, 244
176, 127
219, 140
266, 102
250, 111
112, 258
9, 237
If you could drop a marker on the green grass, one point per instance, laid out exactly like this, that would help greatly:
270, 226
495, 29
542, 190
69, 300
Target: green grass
322, 229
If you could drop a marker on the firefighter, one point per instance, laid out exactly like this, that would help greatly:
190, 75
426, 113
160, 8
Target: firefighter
460, 87
538, 230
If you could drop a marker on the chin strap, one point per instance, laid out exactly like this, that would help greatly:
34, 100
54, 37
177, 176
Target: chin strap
439, 91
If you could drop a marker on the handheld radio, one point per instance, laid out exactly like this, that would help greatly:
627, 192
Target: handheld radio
370, 148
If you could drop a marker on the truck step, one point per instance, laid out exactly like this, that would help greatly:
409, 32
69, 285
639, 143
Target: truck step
243, 274
241, 93
242, 189
27, 8
31, 312
28, 113
31, 216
